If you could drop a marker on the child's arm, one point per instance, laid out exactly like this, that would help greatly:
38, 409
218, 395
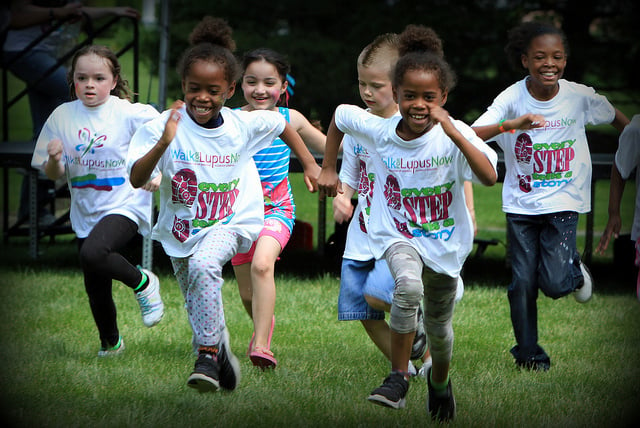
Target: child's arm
616, 188
328, 182
468, 199
53, 167
620, 121
309, 165
480, 165
142, 169
312, 136
526, 121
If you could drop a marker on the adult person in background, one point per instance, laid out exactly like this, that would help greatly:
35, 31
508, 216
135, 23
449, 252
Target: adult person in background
29, 20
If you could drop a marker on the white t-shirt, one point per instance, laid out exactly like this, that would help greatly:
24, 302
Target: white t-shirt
209, 178
628, 159
548, 169
95, 143
419, 194
357, 172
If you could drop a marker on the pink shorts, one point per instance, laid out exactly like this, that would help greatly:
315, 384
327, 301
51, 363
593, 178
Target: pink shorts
272, 227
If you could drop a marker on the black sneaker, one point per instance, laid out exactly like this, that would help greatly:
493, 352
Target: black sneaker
205, 374
392, 392
441, 408
419, 346
538, 362
228, 364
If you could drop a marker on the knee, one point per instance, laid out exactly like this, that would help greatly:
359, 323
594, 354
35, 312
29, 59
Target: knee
262, 268
92, 257
408, 292
377, 304
556, 287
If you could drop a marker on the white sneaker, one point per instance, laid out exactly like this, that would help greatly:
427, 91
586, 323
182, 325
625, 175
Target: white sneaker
150, 301
425, 368
584, 293
115, 350
412, 369
459, 290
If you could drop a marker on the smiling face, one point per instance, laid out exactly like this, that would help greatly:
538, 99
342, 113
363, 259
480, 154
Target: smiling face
262, 85
418, 92
93, 80
545, 60
205, 91
374, 83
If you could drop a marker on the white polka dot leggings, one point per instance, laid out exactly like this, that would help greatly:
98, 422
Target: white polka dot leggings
200, 279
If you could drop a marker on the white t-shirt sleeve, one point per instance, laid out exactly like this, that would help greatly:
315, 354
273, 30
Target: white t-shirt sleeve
349, 171
262, 128
143, 141
628, 153
48, 133
598, 110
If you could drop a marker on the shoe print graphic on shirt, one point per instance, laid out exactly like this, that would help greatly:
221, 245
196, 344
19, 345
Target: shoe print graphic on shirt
184, 187
392, 192
364, 186
523, 151
180, 229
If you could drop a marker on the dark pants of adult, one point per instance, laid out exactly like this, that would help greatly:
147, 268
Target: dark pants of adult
44, 97
101, 263
543, 257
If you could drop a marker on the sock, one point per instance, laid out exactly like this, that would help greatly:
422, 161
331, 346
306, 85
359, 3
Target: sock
143, 283
439, 388
211, 350
404, 374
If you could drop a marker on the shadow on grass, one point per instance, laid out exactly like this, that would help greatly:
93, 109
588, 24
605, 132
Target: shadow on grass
486, 270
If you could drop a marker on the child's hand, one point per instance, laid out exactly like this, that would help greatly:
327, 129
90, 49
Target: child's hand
54, 149
614, 224
170, 127
153, 185
311, 177
441, 116
526, 121
342, 208
328, 183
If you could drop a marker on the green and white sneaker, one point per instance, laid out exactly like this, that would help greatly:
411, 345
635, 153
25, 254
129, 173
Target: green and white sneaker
150, 302
115, 350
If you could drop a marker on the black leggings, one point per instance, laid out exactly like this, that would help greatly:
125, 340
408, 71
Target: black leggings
101, 262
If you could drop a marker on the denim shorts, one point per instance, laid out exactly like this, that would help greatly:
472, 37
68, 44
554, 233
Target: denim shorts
360, 278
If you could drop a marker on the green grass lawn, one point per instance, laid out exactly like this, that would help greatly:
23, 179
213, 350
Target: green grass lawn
51, 376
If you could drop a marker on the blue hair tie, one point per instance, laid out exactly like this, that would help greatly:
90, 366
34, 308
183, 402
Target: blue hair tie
292, 83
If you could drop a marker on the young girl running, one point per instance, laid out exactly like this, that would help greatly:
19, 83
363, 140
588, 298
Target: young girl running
265, 86
366, 285
539, 122
418, 220
87, 139
212, 205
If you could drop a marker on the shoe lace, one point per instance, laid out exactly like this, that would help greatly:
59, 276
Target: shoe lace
146, 305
